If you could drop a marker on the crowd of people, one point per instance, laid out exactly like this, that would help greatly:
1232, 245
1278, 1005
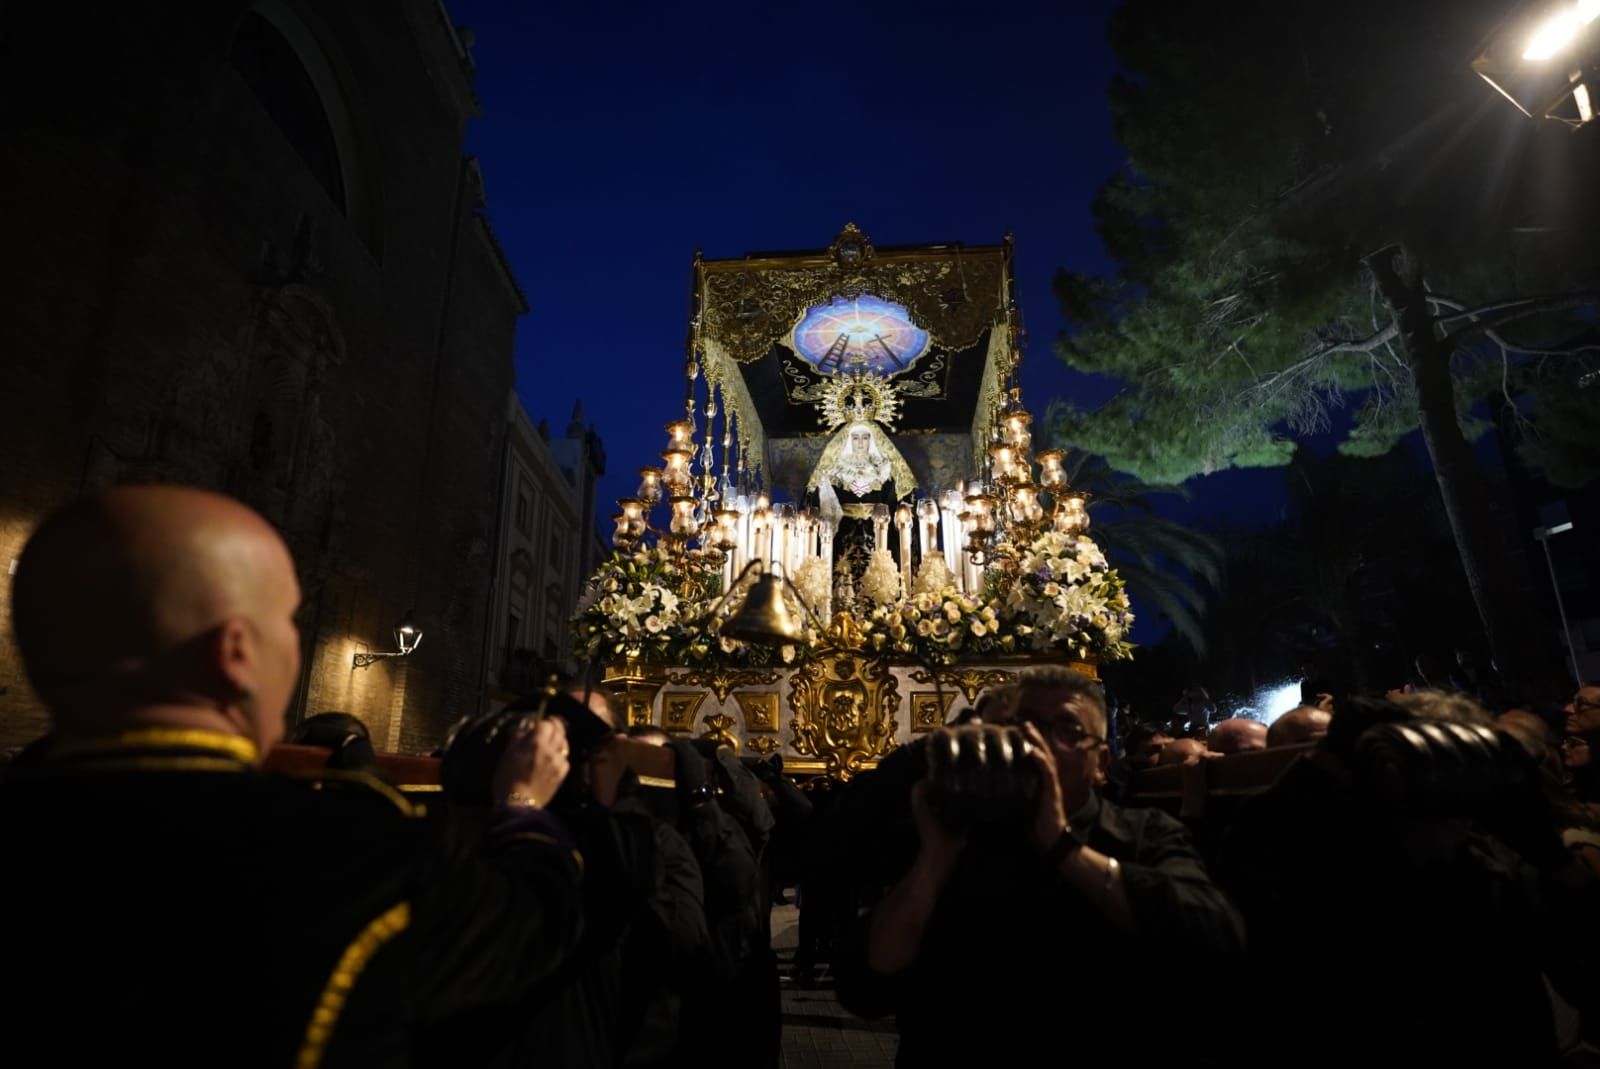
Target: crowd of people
1419, 883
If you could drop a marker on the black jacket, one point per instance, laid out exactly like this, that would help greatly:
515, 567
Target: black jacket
1014, 963
170, 904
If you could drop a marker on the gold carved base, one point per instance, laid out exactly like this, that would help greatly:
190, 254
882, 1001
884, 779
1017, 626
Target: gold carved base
636, 682
844, 707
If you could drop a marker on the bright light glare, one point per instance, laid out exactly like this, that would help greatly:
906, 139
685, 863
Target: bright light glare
1559, 30
1273, 701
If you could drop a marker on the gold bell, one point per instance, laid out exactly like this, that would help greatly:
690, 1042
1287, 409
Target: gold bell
763, 618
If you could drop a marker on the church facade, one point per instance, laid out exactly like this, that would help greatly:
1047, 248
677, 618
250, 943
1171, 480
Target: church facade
248, 254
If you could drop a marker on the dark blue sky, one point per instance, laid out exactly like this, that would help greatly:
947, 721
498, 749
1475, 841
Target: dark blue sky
615, 141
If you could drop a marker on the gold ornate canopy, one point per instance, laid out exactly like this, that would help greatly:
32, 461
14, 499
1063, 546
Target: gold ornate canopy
745, 308
953, 292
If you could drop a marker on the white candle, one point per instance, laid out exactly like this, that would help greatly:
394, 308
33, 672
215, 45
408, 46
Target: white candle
902, 519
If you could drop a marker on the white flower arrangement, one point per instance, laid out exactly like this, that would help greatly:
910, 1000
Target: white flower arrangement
880, 583
933, 576
630, 607
814, 581
1070, 598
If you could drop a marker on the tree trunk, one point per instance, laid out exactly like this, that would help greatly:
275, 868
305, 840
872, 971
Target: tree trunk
1523, 661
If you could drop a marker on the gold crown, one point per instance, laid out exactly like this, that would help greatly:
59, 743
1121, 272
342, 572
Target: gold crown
858, 396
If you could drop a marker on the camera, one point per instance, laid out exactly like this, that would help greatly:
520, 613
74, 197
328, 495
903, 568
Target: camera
1439, 768
475, 744
982, 776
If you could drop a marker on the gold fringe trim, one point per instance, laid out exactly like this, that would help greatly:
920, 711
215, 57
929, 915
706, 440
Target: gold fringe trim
345, 974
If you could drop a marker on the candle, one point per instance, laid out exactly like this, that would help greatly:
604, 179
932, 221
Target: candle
880, 526
950, 511
902, 520
825, 551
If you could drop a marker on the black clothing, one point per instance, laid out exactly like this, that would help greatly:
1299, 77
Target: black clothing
1014, 961
1422, 939
738, 1002
574, 1018
664, 956
170, 904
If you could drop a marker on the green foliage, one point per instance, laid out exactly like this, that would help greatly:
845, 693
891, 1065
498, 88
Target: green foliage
1269, 151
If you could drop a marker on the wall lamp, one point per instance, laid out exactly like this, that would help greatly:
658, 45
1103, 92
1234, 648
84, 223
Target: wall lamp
407, 636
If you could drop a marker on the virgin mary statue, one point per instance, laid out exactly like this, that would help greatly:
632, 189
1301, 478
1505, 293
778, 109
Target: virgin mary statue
859, 468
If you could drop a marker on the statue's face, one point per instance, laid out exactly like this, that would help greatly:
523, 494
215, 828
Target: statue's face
860, 441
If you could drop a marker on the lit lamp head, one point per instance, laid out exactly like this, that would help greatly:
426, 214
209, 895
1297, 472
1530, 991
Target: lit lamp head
680, 434
902, 515
622, 536
1072, 515
978, 523
1004, 458
1024, 503
684, 524
676, 474
727, 529
1016, 428
1545, 60
880, 515
1051, 474
650, 486
407, 635
982, 508
928, 510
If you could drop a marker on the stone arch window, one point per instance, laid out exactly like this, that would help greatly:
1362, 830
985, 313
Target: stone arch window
280, 59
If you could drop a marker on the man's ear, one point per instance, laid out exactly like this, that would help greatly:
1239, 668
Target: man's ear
234, 655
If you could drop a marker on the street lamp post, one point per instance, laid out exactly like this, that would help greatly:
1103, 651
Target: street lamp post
1543, 59
1543, 535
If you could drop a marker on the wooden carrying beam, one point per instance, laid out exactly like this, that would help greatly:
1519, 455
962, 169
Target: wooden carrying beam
1244, 773
654, 764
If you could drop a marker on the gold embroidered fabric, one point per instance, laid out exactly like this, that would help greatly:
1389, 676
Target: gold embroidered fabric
832, 461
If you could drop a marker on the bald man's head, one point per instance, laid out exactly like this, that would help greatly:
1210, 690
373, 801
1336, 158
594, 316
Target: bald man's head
1303, 723
1238, 735
151, 604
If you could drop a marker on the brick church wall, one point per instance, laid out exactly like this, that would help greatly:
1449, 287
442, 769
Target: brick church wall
183, 301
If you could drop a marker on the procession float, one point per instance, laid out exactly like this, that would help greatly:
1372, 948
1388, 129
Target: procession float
849, 536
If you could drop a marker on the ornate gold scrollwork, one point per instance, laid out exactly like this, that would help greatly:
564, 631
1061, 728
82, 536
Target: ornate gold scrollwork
721, 681
636, 683
764, 745
678, 710
717, 725
844, 706
760, 709
844, 632
954, 294
968, 680
928, 711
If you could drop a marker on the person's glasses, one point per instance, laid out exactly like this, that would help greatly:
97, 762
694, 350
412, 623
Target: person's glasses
1059, 729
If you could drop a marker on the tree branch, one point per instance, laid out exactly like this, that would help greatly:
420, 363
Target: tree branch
1486, 320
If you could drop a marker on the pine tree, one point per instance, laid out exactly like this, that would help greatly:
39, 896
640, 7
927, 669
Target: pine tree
1324, 207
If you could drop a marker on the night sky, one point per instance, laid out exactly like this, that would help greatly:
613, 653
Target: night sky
614, 142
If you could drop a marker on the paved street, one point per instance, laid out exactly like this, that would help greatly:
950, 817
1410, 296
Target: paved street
816, 1032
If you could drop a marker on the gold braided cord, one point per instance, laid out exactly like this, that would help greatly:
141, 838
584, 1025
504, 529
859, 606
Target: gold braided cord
345, 974
161, 738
